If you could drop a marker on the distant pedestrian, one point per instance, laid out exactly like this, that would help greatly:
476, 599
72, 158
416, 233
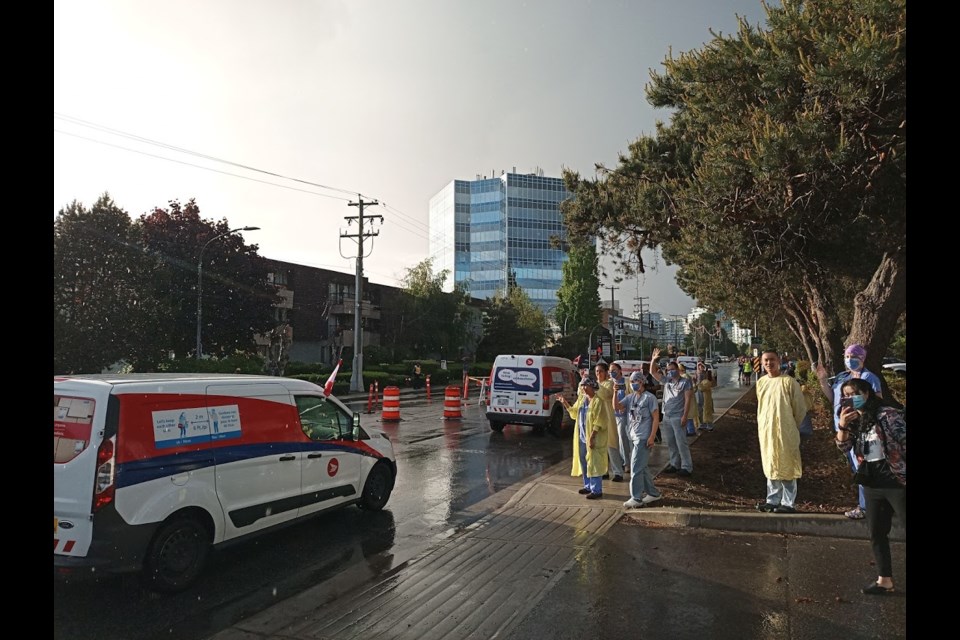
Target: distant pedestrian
677, 405
417, 376
780, 410
643, 420
705, 385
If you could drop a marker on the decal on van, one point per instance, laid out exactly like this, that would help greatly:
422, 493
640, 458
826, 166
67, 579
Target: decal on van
516, 379
177, 427
72, 425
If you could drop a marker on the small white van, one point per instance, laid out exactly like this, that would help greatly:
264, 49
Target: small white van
525, 389
152, 471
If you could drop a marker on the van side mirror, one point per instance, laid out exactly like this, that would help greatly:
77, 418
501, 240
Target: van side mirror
355, 434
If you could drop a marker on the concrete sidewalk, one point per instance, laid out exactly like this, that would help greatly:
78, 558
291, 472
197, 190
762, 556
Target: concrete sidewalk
485, 580
492, 578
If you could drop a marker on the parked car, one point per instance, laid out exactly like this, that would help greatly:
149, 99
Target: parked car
899, 369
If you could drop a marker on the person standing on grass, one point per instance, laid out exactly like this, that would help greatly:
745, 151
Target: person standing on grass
853, 359
780, 410
643, 420
677, 405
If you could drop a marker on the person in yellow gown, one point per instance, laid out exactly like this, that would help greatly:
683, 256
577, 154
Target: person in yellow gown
590, 460
780, 410
705, 387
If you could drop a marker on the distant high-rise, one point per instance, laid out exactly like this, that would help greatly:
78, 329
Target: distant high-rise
486, 230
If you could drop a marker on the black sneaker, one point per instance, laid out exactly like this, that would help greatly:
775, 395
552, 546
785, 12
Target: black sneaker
784, 509
684, 473
766, 507
594, 496
584, 491
618, 478
670, 469
606, 476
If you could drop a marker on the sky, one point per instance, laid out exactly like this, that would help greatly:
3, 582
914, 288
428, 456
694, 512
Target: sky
278, 114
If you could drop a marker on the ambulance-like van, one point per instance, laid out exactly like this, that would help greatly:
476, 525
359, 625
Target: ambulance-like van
152, 471
525, 389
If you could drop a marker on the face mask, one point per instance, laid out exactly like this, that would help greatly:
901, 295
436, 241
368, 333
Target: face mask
859, 401
673, 374
853, 364
635, 386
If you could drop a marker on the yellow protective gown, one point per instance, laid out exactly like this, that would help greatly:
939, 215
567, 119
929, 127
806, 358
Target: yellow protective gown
597, 461
605, 394
780, 409
706, 388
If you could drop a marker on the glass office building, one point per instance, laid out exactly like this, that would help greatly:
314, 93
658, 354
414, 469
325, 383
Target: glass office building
486, 229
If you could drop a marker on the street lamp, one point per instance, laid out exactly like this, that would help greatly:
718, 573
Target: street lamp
200, 276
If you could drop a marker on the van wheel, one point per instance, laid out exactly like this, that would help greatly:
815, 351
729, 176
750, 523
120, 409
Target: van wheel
555, 426
497, 426
377, 488
177, 555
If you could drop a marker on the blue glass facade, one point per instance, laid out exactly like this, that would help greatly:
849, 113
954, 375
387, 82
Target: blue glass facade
485, 229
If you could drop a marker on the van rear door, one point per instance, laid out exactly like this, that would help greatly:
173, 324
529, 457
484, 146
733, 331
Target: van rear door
79, 416
516, 389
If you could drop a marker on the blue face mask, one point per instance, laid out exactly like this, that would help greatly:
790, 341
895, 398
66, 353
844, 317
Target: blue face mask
635, 386
673, 374
853, 364
858, 401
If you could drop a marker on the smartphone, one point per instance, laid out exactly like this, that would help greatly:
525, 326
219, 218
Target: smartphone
846, 402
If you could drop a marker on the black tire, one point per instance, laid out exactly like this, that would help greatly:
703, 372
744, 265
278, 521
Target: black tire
177, 555
555, 426
497, 426
377, 488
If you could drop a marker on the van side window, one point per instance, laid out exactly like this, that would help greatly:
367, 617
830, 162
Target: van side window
319, 419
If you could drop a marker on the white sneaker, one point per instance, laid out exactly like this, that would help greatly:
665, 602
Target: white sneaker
648, 499
633, 504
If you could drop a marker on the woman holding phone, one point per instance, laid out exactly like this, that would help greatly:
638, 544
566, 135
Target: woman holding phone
876, 434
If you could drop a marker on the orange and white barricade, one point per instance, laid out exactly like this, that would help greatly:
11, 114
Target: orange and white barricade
451, 403
391, 405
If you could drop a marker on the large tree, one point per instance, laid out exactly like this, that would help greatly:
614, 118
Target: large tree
433, 320
98, 278
512, 324
237, 301
578, 298
778, 187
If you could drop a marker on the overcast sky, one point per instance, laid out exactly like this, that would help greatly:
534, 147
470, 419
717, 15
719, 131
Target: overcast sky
278, 113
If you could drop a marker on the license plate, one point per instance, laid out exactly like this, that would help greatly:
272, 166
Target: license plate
528, 402
503, 401
54, 525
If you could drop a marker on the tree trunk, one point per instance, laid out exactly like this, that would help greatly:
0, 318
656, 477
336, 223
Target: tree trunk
878, 308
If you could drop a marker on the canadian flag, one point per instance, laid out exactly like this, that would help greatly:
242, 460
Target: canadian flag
328, 387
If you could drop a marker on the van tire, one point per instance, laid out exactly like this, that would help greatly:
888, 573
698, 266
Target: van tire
496, 425
176, 555
555, 426
377, 488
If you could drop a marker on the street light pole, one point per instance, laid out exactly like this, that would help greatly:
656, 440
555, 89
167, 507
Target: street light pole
200, 279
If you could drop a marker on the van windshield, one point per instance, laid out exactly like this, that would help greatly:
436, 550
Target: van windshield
72, 425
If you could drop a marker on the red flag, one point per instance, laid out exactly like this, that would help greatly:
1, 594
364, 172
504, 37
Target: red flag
328, 387
576, 361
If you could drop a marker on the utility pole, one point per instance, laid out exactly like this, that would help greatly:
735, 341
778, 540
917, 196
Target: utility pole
612, 302
643, 327
356, 377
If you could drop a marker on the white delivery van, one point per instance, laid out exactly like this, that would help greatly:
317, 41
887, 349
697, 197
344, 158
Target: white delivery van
151, 471
525, 389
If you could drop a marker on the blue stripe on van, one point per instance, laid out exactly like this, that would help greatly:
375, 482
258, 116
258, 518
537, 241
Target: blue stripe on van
138, 471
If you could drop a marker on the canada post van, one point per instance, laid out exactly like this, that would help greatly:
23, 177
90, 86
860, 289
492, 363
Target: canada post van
524, 390
152, 471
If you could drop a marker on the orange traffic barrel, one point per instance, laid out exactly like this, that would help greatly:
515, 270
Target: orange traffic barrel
451, 403
391, 404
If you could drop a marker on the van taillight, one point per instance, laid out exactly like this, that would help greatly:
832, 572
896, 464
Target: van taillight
546, 400
103, 487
